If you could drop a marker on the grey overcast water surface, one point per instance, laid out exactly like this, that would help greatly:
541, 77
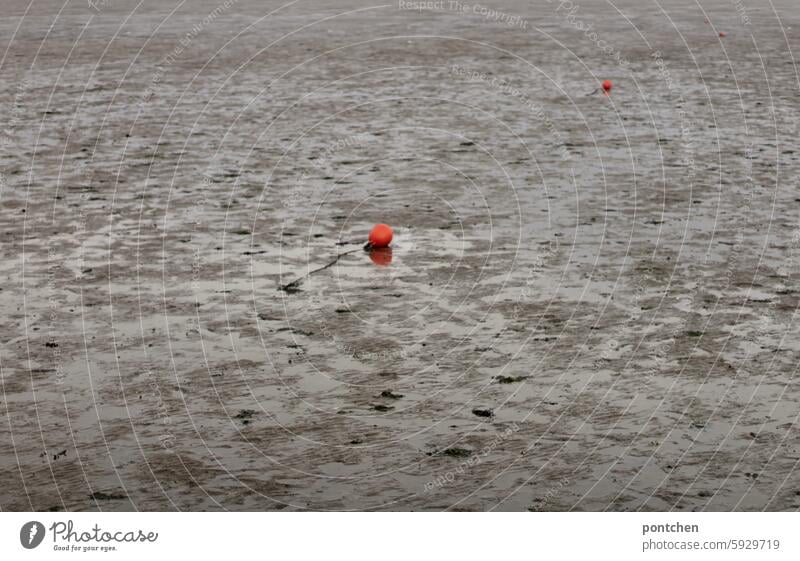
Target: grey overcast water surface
590, 303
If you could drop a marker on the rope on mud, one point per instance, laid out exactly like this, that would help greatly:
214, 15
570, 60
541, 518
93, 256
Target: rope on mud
292, 287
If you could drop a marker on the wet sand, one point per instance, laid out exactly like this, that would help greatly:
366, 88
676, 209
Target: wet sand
590, 300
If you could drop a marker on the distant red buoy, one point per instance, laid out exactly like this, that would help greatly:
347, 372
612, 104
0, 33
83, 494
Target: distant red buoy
381, 235
607, 85
722, 34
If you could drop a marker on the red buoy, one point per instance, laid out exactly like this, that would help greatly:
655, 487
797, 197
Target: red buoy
381, 235
722, 34
607, 85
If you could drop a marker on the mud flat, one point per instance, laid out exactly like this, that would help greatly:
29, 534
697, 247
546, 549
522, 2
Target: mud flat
589, 304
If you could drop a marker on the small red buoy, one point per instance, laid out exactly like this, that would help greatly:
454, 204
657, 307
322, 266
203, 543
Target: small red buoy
381, 235
722, 34
607, 85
